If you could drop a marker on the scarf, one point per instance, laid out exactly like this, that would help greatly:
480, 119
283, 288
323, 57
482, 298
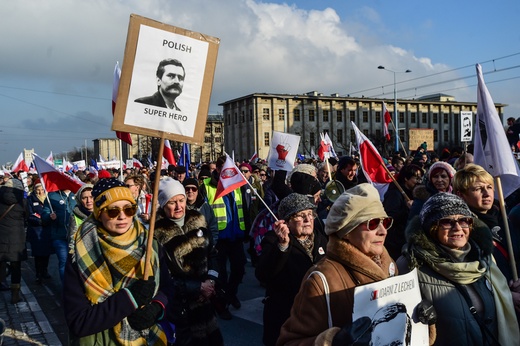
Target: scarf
307, 244
41, 197
107, 264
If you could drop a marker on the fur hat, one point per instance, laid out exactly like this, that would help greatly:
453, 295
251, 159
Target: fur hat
14, 183
354, 206
169, 187
107, 191
304, 183
294, 203
441, 165
440, 205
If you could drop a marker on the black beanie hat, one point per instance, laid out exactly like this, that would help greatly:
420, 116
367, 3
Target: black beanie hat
304, 183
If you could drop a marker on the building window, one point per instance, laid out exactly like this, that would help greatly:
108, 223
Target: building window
365, 116
218, 139
236, 118
339, 136
311, 115
353, 116
208, 128
265, 112
207, 139
365, 132
296, 115
250, 115
378, 117
325, 131
424, 117
401, 117
325, 116
352, 135
281, 114
218, 129
339, 116
228, 119
445, 117
413, 118
435, 118
312, 139
242, 117
266, 139
435, 136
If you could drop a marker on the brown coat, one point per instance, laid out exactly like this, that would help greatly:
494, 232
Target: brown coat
345, 267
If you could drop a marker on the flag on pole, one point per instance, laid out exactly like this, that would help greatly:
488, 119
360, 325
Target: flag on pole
387, 120
136, 163
20, 165
50, 159
492, 150
101, 159
164, 163
54, 180
124, 136
168, 153
93, 164
372, 163
185, 158
326, 150
254, 157
230, 179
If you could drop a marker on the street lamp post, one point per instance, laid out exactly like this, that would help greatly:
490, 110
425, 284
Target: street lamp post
396, 117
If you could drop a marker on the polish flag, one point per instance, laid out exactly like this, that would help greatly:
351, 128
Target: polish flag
168, 153
326, 150
124, 136
50, 159
254, 157
20, 165
230, 179
164, 163
388, 119
372, 163
136, 163
54, 180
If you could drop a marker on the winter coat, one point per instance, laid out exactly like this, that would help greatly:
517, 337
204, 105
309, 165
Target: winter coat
282, 273
62, 205
344, 267
191, 260
40, 238
455, 323
12, 225
396, 206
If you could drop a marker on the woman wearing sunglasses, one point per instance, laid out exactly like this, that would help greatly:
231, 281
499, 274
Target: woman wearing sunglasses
191, 260
457, 274
107, 301
357, 226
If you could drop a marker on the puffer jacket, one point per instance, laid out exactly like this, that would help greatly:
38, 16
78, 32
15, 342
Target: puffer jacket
345, 267
455, 323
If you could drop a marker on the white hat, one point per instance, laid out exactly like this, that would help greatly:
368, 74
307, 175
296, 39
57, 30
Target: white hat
169, 187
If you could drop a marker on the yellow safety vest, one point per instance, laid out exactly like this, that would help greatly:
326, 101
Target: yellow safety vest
219, 208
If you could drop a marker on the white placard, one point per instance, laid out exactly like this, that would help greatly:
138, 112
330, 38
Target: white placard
282, 151
466, 126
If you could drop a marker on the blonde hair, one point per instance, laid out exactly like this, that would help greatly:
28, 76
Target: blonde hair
466, 178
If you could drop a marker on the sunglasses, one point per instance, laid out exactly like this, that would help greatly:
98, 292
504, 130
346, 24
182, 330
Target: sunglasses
463, 222
244, 170
114, 212
129, 185
374, 223
190, 189
263, 174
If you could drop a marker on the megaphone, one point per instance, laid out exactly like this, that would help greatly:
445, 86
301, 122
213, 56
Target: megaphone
333, 189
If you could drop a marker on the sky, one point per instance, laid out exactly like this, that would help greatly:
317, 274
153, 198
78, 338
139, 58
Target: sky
58, 57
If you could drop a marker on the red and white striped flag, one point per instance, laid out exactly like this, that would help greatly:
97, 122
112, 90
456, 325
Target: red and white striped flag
136, 163
254, 157
20, 165
168, 153
50, 159
387, 120
54, 180
230, 179
124, 136
372, 163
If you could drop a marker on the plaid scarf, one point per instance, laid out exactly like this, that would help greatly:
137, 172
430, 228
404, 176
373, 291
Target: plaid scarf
108, 264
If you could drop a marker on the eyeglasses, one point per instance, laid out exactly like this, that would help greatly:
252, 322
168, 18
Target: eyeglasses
301, 216
374, 223
463, 222
129, 185
263, 174
244, 170
190, 189
114, 212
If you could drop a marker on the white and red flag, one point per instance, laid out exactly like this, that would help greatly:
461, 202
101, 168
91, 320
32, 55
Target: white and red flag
230, 179
124, 136
492, 150
168, 153
136, 163
254, 157
54, 180
50, 159
387, 120
20, 165
164, 163
326, 149
372, 163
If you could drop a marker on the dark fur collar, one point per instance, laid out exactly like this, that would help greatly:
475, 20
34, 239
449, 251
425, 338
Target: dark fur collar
166, 229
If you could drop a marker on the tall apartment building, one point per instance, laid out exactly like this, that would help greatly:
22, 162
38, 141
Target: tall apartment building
249, 120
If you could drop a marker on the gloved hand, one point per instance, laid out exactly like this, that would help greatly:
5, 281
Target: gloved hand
145, 317
357, 333
142, 291
426, 312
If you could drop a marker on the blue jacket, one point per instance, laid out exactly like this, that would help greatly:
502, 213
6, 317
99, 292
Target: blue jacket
62, 205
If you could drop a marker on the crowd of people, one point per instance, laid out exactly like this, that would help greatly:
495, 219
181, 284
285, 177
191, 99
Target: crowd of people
310, 248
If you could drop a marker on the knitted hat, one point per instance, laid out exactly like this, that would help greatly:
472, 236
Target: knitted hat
81, 189
37, 183
440, 205
246, 165
180, 169
169, 187
191, 182
204, 173
304, 183
104, 174
107, 191
441, 165
293, 204
354, 206
14, 183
